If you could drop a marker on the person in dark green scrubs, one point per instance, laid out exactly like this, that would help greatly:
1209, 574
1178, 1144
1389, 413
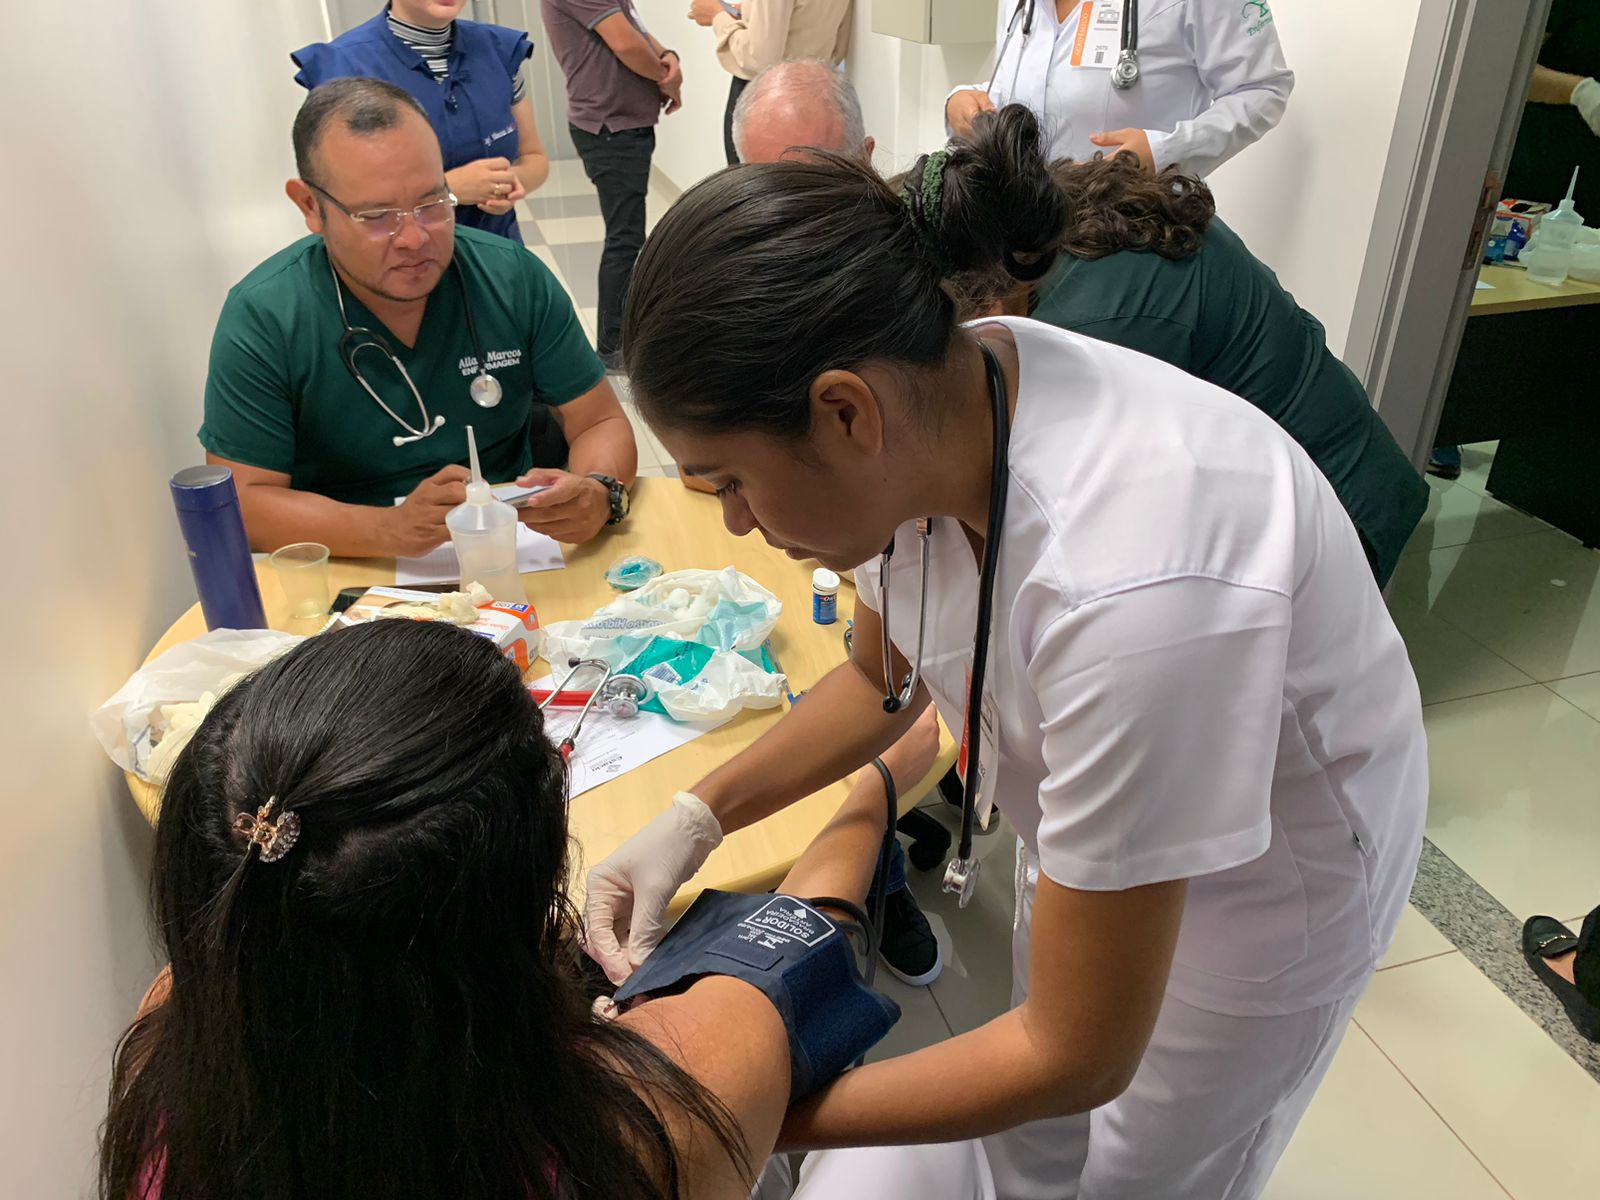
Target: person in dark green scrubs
324, 431
1144, 262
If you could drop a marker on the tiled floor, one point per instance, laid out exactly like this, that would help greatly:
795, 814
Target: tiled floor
1443, 1086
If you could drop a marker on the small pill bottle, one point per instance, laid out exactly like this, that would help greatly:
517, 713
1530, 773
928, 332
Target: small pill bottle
824, 596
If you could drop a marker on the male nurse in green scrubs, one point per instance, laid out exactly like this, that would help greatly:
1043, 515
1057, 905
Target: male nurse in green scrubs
322, 455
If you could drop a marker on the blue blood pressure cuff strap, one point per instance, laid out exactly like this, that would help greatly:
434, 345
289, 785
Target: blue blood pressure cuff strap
800, 958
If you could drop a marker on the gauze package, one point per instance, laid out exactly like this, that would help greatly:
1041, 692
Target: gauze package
698, 636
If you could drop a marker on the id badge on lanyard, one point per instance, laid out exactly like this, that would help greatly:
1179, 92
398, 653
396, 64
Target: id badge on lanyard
988, 754
1099, 39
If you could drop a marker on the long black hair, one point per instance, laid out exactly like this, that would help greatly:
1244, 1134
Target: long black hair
394, 1007
766, 275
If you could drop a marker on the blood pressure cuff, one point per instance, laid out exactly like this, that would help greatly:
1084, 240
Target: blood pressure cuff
800, 958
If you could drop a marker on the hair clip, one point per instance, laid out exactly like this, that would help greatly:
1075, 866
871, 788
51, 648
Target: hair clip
276, 838
923, 197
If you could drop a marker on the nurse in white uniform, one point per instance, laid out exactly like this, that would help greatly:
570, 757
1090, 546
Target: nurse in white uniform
1196, 711
1190, 82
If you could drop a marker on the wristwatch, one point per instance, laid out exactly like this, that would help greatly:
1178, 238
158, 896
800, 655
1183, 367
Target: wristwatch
620, 502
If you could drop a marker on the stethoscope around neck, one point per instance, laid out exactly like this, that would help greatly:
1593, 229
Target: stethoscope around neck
1125, 72
484, 389
961, 874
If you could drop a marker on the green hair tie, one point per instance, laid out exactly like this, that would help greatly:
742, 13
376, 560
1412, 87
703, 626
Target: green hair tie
925, 201
933, 188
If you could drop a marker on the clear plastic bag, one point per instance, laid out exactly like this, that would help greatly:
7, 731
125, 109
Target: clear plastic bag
144, 725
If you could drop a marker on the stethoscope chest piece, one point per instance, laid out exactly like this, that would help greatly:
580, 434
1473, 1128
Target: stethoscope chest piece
485, 390
961, 878
622, 695
1126, 72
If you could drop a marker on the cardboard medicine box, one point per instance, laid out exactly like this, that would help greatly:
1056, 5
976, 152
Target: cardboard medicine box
514, 628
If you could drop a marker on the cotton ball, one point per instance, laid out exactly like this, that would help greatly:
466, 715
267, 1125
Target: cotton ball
678, 598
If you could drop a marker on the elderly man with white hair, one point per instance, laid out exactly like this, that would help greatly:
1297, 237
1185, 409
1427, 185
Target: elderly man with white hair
804, 103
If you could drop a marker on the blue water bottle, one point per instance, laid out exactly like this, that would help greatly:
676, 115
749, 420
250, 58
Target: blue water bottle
219, 551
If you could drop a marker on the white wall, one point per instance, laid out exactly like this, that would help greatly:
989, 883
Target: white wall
689, 142
147, 177
1303, 197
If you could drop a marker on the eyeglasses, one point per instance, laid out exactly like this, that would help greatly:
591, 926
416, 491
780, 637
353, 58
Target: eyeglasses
386, 222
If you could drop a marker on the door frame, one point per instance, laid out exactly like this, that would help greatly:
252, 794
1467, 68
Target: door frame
1460, 106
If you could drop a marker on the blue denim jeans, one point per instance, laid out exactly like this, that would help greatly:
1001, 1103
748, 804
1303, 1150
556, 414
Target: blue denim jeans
896, 873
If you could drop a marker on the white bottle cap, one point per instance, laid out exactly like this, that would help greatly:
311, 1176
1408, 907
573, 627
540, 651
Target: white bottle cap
824, 581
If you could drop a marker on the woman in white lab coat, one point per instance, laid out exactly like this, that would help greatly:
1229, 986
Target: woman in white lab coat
1194, 708
1209, 77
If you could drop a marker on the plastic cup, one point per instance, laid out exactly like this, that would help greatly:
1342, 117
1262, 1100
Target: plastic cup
303, 574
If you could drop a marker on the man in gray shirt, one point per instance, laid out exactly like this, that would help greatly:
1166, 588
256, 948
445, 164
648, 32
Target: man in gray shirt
619, 80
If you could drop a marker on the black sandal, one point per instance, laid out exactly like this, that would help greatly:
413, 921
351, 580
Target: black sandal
1546, 937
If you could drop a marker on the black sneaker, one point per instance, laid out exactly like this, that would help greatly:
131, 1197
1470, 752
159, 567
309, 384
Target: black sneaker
906, 943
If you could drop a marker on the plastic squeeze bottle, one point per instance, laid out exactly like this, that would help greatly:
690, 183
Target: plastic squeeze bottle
484, 534
1558, 231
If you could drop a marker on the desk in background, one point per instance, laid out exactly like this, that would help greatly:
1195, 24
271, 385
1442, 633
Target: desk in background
1526, 376
681, 529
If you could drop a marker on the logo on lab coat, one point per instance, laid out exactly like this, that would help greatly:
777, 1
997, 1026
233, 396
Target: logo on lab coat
1256, 12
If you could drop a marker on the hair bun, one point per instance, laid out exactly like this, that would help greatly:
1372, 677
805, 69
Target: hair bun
1002, 209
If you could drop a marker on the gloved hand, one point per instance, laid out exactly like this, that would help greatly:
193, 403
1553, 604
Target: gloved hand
634, 884
1586, 99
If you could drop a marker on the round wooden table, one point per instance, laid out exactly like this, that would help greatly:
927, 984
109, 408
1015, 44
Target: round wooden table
680, 529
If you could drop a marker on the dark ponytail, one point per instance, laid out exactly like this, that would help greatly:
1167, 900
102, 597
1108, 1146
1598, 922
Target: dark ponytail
1007, 214
766, 275
1002, 211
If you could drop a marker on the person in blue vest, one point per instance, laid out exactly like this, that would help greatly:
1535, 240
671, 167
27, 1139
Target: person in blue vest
468, 78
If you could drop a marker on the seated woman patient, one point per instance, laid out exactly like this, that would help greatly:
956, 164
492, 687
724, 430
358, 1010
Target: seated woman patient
376, 985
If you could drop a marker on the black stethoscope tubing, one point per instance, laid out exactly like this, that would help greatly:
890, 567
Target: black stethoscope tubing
999, 486
1126, 71
963, 868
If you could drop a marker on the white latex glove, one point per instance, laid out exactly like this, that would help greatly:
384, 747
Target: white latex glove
1586, 99
633, 885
